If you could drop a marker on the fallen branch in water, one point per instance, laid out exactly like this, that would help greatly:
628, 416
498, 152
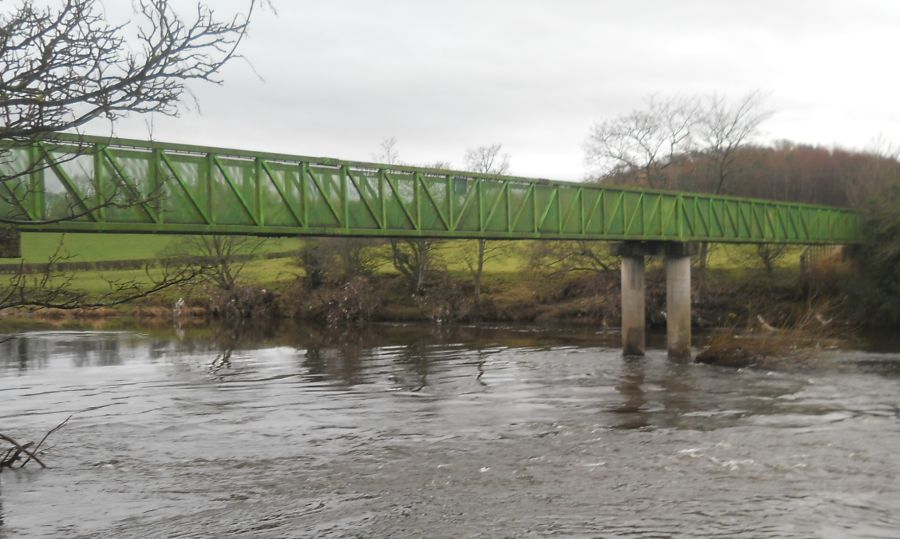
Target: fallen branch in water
16, 450
14, 453
764, 345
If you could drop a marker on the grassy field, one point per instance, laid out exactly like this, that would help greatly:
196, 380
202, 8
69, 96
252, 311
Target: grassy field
37, 248
276, 272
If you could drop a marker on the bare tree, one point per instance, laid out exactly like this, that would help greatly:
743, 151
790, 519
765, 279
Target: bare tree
224, 257
723, 128
769, 254
705, 131
387, 152
414, 259
643, 143
63, 65
51, 287
487, 160
340, 258
563, 257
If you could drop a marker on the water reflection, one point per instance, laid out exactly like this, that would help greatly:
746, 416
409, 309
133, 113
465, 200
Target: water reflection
633, 407
21, 352
405, 358
677, 387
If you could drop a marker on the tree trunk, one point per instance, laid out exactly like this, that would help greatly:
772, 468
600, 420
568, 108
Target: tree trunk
479, 270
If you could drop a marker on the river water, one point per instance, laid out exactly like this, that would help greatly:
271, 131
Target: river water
412, 431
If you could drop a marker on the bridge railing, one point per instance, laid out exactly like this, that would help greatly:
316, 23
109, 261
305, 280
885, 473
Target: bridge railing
94, 184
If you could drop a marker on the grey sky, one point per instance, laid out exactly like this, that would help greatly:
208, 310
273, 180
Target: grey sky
534, 75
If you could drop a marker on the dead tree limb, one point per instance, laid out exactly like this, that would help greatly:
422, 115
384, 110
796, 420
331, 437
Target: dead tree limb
44, 439
19, 449
12, 455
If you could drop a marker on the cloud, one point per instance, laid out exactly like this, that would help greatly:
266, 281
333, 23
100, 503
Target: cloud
533, 75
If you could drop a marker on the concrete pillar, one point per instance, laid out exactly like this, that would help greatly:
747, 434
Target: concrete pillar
678, 306
633, 305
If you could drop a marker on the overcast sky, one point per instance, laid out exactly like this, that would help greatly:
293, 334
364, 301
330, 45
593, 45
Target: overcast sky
340, 76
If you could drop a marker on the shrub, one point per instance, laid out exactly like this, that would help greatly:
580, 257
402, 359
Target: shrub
335, 303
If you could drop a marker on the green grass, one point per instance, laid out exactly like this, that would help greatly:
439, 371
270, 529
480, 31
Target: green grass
263, 272
512, 265
270, 271
735, 256
513, 259
39, 247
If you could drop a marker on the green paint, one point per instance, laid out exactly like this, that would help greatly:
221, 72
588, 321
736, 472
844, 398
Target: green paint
268, 194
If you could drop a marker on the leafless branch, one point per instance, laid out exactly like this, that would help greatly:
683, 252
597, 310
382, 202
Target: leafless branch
44, 439
11, 456
65, 65
52, 288
644, 141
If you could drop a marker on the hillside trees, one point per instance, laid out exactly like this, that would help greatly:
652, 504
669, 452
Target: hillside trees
690, 143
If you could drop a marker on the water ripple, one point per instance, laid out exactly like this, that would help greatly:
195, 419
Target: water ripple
412, 430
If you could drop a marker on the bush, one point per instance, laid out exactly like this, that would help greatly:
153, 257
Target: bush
242, 303
445, 299
335, 303
337, 259
876, 291
760, 345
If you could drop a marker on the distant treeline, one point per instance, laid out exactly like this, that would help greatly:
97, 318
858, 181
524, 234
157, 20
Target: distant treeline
784, 171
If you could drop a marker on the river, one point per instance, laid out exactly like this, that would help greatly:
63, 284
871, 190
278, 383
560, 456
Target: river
428, 431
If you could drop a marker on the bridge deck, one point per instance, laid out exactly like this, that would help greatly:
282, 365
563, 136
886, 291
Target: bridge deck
94, 184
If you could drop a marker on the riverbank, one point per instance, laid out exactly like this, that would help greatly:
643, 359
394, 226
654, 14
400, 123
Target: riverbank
524, 283
590, 299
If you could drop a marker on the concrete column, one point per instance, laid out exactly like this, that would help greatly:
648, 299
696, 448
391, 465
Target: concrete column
678, 306
633, 305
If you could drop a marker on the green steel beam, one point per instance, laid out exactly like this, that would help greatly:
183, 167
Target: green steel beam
95, 184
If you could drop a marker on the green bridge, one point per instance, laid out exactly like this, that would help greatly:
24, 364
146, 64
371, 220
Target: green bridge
93, 184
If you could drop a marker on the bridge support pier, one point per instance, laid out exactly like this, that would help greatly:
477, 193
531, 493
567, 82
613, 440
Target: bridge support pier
634, 317
678, 295
678, 306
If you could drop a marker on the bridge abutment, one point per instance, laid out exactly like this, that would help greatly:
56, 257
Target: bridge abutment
678, 295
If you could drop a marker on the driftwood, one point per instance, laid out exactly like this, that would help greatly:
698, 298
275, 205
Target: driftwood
767, 346
15, 453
